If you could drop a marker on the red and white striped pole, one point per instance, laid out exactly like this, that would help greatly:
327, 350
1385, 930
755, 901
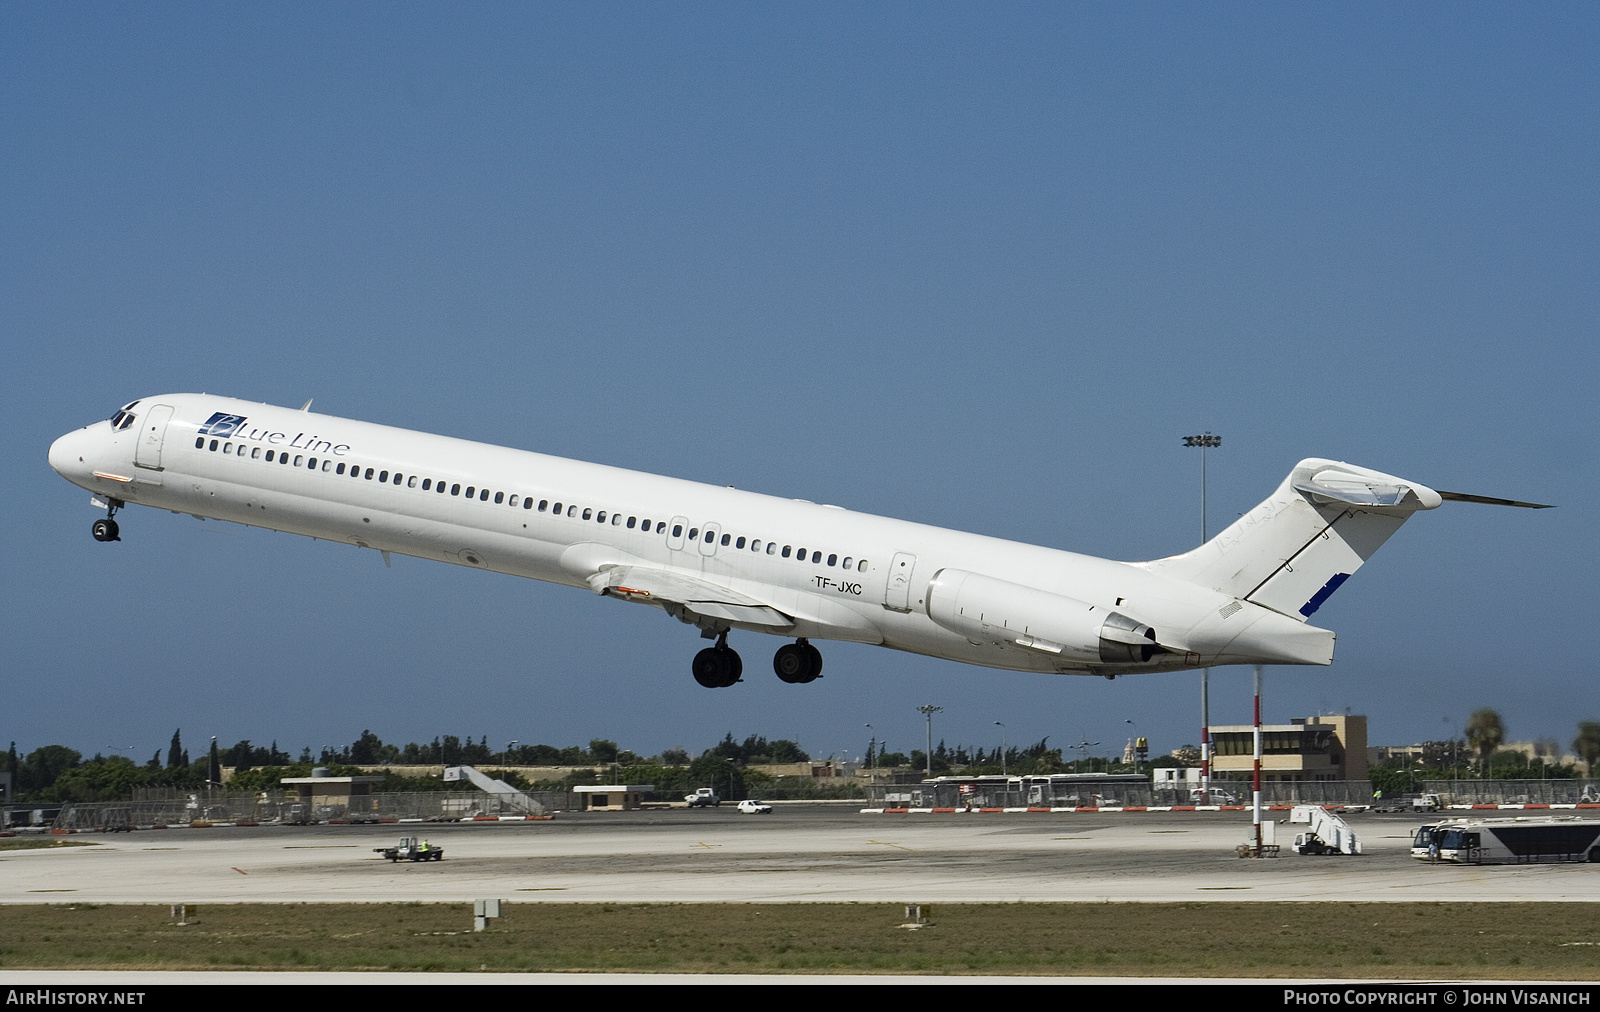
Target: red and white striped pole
1255, 801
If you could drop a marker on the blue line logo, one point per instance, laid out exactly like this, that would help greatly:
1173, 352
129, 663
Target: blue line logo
222, 425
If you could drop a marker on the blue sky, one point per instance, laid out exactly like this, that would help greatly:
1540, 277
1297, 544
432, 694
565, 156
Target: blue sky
978, 266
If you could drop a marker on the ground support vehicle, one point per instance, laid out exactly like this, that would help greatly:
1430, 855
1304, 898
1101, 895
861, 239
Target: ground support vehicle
1325, 833
750, 806
411, 849
705, 797
1528, 840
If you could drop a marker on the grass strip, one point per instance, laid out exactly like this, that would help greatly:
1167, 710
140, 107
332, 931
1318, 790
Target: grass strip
1529, 941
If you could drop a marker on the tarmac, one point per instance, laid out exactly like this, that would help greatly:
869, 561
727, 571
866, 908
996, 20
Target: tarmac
800, 853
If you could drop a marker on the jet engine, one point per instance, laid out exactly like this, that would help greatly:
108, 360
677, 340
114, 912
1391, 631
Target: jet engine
984, 609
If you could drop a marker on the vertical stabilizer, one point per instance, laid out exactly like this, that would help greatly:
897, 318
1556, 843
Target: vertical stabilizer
1294, 550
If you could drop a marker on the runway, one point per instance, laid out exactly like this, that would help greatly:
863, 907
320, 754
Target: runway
801, 853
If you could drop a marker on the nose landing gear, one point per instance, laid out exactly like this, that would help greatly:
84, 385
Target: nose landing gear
798, 662
718, 667
105, 529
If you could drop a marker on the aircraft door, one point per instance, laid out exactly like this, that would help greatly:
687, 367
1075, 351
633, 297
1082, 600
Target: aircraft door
148, 451
676, 533
897, 591
708, 539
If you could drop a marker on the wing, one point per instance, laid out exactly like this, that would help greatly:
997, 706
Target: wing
664, 588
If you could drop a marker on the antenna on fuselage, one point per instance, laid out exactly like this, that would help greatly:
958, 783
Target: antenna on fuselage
307, 405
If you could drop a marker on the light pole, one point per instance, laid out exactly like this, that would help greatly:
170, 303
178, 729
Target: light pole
1255, 799
928, 710
1002, 728
1204, 441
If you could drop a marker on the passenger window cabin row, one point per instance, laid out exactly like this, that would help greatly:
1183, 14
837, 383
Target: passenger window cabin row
324, 464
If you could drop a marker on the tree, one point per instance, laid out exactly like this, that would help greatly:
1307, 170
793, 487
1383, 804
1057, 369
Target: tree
1485, 732
602, 750
175, 753
44, 765
782, 750
367, 749
1587, 743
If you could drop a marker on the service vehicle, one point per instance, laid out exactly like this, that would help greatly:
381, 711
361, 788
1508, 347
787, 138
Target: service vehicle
1325, 833
750, 806
705, 797
411, 849
1526, 840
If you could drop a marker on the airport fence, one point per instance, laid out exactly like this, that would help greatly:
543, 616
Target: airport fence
799, 788
275, 808
1021, 793
1015, 793
1515, 792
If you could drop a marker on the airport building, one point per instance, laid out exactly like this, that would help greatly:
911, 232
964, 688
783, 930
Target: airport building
1305, 749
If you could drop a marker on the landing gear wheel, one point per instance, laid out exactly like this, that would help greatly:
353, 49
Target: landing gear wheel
105, 529
797, 662
717, 667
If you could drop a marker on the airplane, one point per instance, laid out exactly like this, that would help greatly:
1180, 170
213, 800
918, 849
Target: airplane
721, 559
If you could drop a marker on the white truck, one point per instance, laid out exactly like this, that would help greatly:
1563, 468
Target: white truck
1326, 833
705, 797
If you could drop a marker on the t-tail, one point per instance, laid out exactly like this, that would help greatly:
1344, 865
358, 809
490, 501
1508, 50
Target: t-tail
1302, 543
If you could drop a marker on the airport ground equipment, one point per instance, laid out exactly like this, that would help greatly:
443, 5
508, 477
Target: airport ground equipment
1263, 841
1325, 833
1425, 802
750, 806
499, 788
1527, 840
411, 849
705, 797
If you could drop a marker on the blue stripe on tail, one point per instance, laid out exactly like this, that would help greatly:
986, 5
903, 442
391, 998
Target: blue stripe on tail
1311, 606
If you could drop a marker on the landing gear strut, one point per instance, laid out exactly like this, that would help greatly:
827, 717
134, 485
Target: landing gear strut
718, 667
798, 662
105, 529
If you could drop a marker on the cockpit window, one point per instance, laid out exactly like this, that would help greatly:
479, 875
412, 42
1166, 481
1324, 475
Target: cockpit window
123, 418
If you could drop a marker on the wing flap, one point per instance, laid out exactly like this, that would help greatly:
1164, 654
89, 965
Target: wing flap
661, 586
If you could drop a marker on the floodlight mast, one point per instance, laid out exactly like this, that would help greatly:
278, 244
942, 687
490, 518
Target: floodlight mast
1204, 441
928, 710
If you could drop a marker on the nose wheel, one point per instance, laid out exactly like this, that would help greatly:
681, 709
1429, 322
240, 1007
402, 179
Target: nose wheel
105, 529
718, 667
798, 662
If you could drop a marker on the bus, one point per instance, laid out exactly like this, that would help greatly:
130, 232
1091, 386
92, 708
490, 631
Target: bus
1524, 840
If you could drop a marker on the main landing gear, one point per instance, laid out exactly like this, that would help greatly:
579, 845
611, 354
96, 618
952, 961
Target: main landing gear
105, 529
798, 662
720, 666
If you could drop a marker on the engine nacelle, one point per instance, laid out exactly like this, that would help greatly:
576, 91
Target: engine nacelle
997, 611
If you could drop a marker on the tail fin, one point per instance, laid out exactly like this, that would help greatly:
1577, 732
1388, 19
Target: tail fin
1294, 550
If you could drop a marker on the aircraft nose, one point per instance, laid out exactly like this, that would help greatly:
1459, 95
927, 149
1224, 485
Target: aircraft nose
69, 454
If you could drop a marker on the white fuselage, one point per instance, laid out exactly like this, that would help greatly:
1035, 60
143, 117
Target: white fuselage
832, 573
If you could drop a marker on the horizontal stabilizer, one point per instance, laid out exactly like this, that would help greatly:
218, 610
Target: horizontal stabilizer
1488, 500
